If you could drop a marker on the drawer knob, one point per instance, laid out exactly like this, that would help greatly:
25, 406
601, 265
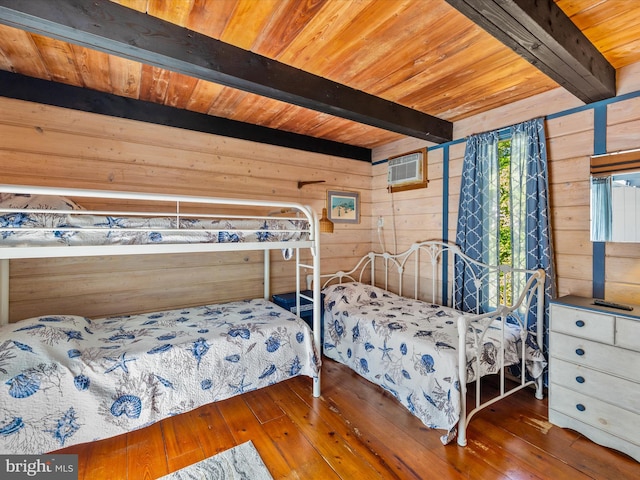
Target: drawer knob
581, 407
580, 379
580, 323
579, 351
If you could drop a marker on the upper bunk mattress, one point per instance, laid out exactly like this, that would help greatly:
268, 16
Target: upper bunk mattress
67, 379
58, 221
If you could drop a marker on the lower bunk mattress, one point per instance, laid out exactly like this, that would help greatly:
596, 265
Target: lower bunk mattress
410, 348
66, 379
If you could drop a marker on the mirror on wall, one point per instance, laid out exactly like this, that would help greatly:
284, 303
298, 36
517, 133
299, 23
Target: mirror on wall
615, 207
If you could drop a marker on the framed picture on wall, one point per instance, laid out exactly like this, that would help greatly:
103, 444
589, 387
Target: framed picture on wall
343, 207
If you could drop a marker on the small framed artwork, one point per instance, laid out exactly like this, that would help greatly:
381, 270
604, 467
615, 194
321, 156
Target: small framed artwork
343, 207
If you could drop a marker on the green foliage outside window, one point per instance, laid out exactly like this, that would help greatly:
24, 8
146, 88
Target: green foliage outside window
505, 249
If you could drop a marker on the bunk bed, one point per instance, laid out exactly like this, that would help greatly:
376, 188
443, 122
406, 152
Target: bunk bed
67, 379
425, 352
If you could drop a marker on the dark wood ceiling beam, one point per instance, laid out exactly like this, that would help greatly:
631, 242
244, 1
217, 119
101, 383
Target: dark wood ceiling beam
13, 85
541, 32
117, 30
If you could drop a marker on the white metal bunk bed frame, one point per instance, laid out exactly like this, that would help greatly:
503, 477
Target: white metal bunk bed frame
438, 255
312, 243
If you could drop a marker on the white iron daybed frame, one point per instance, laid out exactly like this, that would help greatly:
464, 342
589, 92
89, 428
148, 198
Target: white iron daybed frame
299, 211
442, 257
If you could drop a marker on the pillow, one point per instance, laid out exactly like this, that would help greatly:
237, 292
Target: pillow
48, 202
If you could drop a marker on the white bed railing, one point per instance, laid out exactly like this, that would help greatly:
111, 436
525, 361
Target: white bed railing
489, 280
175, 215
302, 214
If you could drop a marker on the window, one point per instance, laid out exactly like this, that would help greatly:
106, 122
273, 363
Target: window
503, 215
505, 239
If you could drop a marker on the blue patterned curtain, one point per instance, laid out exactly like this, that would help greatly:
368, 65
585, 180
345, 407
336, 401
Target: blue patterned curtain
478, 218
477, 232
531, 226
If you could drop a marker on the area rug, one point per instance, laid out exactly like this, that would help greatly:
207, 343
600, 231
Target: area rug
241, 462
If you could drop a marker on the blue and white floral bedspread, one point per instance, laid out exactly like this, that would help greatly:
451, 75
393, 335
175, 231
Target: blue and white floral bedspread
29, 229
410, 348
67, 379
31, 224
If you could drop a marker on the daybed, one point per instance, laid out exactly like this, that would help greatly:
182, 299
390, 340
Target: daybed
67, 379
424, 352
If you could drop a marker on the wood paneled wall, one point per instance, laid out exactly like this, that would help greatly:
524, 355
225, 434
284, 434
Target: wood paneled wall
50, 146
417, 214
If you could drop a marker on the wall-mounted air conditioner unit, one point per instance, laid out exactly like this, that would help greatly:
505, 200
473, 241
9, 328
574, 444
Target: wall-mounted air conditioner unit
407, 171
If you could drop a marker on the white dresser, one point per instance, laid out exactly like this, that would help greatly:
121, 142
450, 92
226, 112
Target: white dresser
594, 372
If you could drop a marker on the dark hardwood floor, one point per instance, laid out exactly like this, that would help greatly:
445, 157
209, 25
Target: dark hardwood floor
355, 430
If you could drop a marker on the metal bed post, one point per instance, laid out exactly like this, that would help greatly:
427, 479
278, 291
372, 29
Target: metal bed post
267, 274
434, 275
540, 298
298, 267
4, 291
373, 268
416, 270
462, 375
317, 299
386, 274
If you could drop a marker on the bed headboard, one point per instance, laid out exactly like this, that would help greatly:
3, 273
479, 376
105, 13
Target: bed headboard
426, 271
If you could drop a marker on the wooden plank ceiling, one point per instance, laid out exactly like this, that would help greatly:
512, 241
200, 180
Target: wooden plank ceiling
429, 61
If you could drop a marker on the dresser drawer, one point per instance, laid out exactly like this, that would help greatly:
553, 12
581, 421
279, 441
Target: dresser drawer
582, 323
628, 334
606, 358
606, 387
589, 410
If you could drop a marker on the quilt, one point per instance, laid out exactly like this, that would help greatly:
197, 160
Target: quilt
50, 224
410, 348
68, 379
